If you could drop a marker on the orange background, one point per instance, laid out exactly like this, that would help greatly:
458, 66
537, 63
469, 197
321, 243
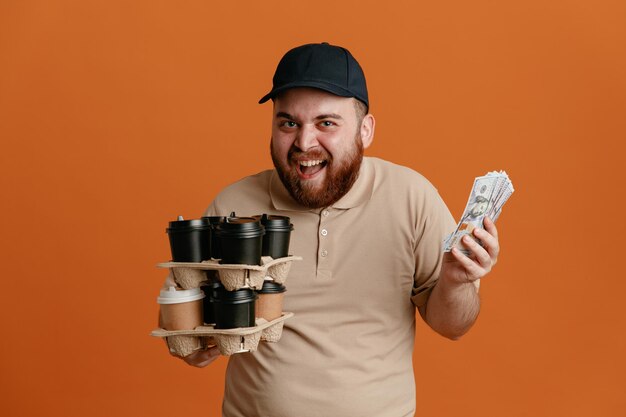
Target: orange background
117, 116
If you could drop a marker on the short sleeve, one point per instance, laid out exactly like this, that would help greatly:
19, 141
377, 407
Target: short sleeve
434, 224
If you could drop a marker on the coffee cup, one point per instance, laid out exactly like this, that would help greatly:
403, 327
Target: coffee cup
240, 240
277, 233
189, 240
181, 309
270, 302
234, 309
216, 252
208, 303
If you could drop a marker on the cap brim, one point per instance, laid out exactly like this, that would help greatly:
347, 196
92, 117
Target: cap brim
331, 88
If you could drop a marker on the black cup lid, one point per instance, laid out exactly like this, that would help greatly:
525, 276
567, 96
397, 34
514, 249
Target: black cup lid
184, 225
274, 222
240, 226
243, 294
272, 287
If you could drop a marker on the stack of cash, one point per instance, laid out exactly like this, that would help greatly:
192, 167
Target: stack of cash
488, 195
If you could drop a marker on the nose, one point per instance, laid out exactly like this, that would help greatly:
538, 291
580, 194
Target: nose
306, 138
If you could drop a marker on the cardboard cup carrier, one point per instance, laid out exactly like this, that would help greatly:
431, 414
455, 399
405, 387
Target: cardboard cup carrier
214, 302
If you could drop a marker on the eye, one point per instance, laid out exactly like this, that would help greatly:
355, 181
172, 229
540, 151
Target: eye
327, 123
289, 123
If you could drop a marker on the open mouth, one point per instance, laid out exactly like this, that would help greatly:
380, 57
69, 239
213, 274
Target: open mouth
309, 168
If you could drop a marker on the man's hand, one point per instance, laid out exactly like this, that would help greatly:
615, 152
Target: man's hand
202, 358
454, 304
199, 358
459, 268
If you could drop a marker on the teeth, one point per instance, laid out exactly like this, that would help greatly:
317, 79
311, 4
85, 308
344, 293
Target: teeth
310, 163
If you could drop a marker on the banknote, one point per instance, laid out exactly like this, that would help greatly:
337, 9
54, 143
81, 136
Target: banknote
488, 195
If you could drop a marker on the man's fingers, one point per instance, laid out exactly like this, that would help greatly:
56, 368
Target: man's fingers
202, 358
472, 270
490, 243
490, 227
482, 256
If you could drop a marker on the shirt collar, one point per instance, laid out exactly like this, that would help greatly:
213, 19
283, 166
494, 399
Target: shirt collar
360, 192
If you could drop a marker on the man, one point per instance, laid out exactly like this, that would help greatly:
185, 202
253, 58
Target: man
370, 234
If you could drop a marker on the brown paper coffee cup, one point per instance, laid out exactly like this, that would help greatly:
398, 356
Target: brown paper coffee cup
181, 309
269, 305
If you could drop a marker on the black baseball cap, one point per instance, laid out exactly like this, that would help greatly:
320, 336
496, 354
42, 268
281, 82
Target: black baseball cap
320, 65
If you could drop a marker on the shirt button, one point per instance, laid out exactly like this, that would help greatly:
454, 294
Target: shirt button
324, 232
324, 253
325, 212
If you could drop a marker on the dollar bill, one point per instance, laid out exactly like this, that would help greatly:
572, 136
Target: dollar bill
488, 195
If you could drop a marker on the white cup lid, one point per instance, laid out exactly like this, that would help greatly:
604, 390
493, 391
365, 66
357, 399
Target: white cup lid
173, 296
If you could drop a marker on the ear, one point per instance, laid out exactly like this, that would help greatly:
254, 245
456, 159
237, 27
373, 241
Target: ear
367, 130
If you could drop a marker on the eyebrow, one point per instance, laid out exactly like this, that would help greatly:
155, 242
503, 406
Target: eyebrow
329, 116
320, 117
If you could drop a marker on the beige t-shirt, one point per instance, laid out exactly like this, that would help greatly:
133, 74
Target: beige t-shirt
367, 261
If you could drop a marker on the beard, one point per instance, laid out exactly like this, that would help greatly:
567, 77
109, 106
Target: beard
340, 176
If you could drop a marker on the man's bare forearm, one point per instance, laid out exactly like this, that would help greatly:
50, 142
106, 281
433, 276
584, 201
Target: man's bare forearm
452, 308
